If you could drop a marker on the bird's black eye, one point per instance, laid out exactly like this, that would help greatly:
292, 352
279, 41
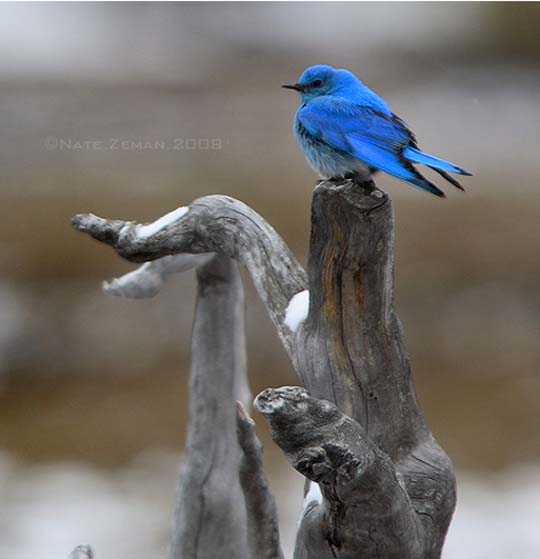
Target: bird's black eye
317, 83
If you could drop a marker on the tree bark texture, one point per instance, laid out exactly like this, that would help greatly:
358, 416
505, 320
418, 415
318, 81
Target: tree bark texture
210, 518
351, 349
385, 489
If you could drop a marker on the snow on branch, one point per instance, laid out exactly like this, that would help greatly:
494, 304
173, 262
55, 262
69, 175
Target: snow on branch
217, 224
381, 485
297, 310
353, 474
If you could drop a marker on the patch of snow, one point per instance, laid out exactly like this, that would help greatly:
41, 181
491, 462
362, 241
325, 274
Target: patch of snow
125, 511
313, 495
297, 310
90, 505
497, 516
145, 231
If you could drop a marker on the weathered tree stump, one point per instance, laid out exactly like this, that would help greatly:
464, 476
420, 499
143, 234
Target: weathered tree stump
380, 486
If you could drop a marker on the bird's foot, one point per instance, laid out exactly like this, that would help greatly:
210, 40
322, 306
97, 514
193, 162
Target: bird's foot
354, 181
367, 185
333, 180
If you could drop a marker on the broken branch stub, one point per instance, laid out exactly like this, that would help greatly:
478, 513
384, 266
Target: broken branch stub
261, 512
147, 280
366, 510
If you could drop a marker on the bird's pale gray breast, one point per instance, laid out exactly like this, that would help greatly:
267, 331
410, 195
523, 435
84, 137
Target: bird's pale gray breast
327, 161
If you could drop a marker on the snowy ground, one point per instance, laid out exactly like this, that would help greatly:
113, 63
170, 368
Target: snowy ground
47, 510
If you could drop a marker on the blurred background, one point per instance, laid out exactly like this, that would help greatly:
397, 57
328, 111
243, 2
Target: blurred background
130, 110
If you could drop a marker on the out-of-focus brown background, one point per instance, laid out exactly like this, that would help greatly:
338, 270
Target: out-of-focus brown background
130, 110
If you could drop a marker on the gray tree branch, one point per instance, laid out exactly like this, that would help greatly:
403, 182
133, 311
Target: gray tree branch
262, 519
146, 280
387, 488
366, 510
213, 224
210, 516
350, 349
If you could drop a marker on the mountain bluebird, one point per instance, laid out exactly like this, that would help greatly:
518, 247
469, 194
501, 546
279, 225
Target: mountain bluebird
347, 131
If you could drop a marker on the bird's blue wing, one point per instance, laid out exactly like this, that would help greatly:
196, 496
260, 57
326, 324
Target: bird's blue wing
360, 131
381, 140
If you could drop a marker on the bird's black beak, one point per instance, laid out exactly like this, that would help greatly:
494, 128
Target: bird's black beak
296, 87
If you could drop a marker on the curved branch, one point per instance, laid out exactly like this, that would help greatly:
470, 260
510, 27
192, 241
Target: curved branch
217, 224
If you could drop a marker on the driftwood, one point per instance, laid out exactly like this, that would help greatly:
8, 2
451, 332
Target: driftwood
210, 518
379, 484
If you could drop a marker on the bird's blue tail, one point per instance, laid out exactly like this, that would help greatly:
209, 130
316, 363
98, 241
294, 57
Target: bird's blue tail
416, 156
441, 166
416, 179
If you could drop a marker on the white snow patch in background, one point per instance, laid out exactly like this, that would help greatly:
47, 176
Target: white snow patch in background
297, 310
125, 512
497, 516
49, 509
313, 495
145, 231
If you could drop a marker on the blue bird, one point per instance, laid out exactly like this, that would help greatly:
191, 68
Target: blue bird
345, 130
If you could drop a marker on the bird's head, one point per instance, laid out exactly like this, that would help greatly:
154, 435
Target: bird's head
322, 80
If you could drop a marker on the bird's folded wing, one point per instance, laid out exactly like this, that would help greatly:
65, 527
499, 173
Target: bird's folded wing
360, 131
